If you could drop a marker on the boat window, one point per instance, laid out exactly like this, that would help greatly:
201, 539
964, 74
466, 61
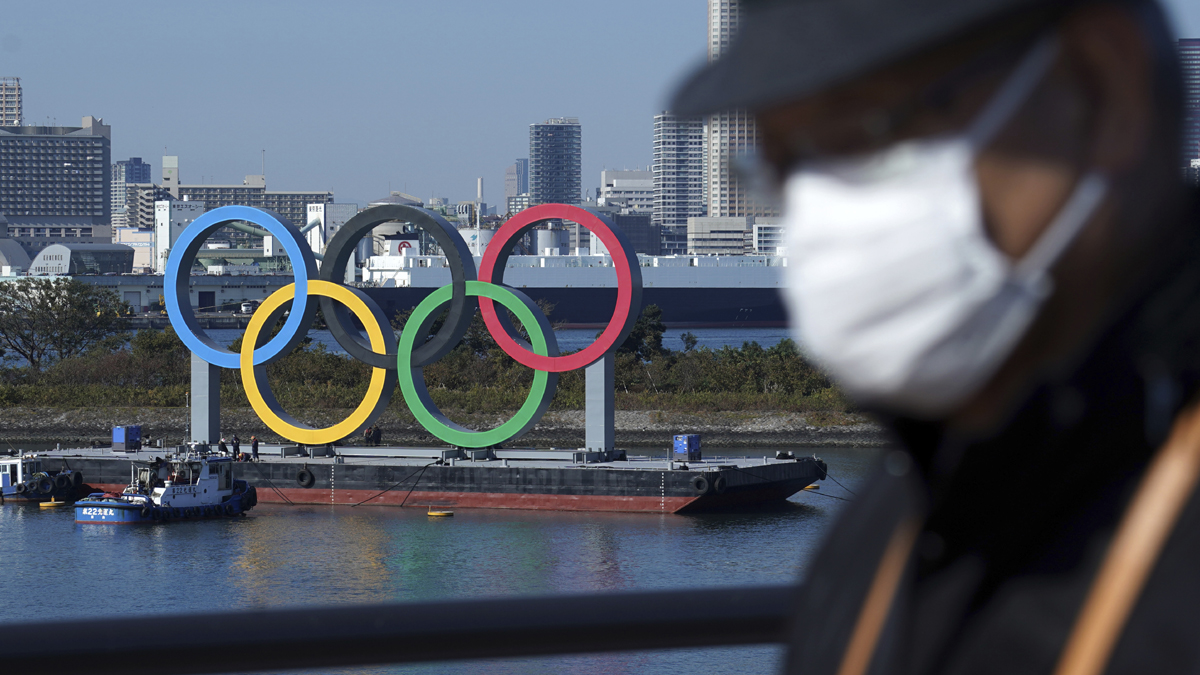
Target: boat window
225, 474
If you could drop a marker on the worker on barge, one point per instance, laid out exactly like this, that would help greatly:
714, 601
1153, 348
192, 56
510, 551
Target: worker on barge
991, 247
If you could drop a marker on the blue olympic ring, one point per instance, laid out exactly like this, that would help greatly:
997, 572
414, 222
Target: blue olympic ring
176, 284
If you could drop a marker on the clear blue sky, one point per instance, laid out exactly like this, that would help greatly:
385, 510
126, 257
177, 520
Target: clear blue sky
354, 96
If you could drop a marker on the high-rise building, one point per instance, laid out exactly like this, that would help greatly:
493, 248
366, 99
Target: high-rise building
10, 102
678, 169
728, 134
555, 161
54, 183
516, 179
124, 172
523, 176
1189, 55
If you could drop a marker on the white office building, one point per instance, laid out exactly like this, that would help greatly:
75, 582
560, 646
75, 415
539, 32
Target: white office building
718, 235
170, 217
633, 190
329, 218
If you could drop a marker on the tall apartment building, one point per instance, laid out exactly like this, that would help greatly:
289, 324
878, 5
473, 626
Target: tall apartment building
11, 114
678, 169
252, 192
54, 184
1189, 55
727, 134
124, 172
516, 178
555, 161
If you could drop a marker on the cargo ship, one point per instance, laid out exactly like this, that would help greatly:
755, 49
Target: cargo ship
561, 480
691, 291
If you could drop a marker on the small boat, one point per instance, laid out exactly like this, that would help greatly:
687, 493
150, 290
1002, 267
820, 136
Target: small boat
438, 514
193, 485
52, 504
24, 479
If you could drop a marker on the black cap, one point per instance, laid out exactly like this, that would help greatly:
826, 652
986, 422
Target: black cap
788, 49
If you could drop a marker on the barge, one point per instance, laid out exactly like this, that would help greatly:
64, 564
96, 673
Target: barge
564, 480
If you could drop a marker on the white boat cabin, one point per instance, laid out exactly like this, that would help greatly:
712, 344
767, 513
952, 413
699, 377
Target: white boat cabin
18, 470
189, 481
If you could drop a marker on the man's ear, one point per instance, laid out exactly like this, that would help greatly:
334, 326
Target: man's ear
1108, 49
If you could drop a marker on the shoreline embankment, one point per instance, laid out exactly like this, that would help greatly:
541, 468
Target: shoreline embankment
564, 428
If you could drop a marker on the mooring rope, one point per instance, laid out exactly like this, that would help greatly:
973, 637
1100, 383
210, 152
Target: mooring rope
397, 484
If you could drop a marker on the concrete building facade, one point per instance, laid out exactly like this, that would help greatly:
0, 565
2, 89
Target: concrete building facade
54, 183
142, 243
718, 235
140, 198
1189, 56
728, 134
331, 217
555, 161
678, 169
516, 178
767, 237
627, 189
170, 217
124, 172
11, 111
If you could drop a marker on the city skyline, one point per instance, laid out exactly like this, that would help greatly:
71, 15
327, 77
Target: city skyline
378, 97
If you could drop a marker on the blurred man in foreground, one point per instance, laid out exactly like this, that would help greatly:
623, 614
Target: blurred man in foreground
991, 248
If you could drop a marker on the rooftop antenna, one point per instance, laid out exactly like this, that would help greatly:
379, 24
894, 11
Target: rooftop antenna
264, 163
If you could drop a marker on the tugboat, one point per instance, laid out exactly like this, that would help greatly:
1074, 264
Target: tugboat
194, 485
23, 479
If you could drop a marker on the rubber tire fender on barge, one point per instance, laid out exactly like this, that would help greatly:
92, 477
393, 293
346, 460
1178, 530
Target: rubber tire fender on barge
76, 479
305, 478
20, 488
700, 484
44, 484
719, 484
62, 481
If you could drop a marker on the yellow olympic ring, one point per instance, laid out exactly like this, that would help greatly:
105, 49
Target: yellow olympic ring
263, 402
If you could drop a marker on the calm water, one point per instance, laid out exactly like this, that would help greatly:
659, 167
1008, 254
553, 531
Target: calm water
577, 338
308, 555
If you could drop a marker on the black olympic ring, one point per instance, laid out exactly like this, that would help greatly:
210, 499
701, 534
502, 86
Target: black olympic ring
462, 270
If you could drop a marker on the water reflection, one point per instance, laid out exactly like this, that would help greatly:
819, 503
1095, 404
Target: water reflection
290, 555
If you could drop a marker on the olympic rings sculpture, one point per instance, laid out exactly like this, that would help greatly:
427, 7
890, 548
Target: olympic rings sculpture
400, 360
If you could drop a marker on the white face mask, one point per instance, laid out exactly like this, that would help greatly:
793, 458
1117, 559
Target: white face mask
893, 285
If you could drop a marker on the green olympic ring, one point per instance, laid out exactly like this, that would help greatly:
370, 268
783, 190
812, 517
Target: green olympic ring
412, 378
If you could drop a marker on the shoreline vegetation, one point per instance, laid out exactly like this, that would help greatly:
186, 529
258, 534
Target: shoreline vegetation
749, 395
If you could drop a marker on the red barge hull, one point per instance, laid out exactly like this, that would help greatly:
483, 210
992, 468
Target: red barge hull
641, 486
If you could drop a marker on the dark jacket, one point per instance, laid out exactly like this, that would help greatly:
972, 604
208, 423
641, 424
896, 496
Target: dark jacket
1009, 533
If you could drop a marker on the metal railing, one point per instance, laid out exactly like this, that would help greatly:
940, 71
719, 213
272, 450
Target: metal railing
355, 635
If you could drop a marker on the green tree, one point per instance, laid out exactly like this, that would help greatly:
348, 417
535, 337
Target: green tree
44, 320
645, 339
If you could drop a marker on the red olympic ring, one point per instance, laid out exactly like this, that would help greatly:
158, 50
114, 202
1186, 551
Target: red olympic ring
495, 259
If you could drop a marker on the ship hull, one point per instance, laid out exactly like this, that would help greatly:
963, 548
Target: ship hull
592, 307
557, 486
